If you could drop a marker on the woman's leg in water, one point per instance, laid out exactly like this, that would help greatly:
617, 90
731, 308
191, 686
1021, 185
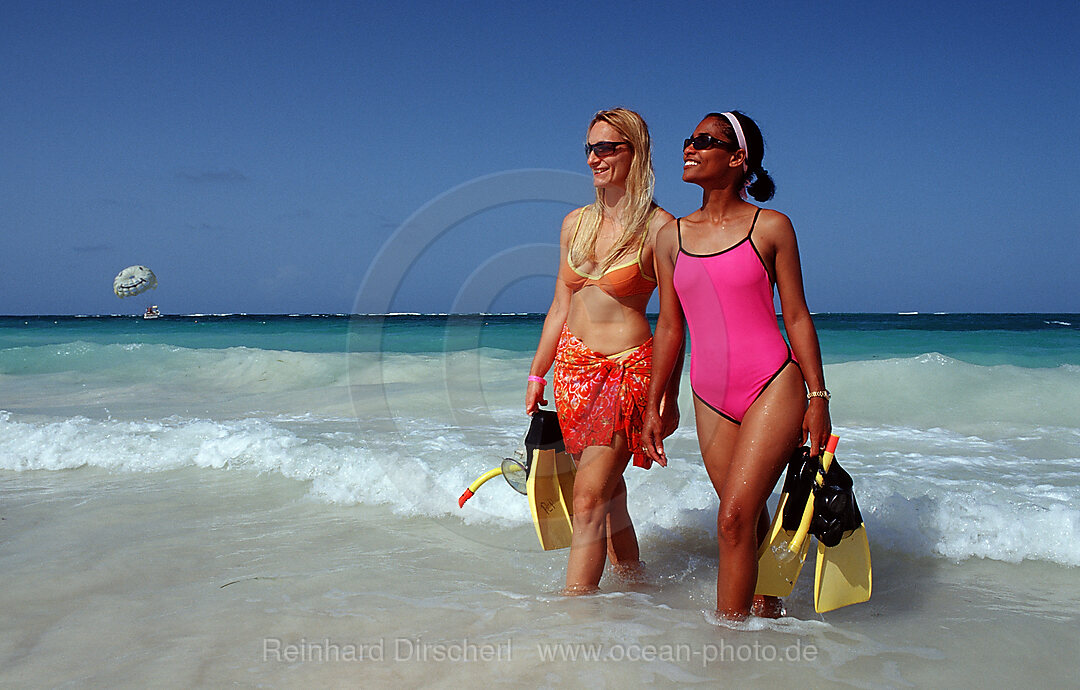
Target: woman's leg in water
744, 462
622, 538
599, 476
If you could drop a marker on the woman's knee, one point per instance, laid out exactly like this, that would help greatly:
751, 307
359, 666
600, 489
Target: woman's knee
735, 525
589, 504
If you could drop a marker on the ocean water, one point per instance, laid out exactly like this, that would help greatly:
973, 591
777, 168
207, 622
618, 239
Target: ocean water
272, 500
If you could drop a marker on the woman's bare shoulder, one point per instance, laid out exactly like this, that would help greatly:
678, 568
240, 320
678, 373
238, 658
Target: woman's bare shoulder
657, 222
660, 218
666, 236
571, 218
771, 219
570, 222
774, 226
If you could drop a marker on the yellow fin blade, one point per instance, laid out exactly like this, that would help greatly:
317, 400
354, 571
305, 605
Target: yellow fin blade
779, 568
843, 573
551, 497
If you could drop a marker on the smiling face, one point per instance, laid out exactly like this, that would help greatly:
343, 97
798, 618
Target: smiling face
711, 163
131, 283
609, 170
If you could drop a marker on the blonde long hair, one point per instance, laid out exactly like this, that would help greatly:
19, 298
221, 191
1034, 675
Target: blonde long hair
640, 182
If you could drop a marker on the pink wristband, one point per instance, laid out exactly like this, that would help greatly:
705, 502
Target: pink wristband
538, 379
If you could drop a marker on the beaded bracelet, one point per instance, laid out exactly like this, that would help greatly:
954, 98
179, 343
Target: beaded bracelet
819, 394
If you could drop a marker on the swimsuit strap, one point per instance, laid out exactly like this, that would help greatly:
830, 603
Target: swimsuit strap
645, 234
678, 225
754, 223
641, 247
573, 237
577, 226
648, 219
753, 245
640, 268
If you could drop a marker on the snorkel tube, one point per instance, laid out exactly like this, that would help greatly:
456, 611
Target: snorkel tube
477, 484
512, 471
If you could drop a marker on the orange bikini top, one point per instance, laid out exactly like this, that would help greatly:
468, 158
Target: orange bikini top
618, 281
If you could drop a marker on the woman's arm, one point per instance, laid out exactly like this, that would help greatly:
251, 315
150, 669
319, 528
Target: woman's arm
669, 404
553, 323
667, 344
800, 328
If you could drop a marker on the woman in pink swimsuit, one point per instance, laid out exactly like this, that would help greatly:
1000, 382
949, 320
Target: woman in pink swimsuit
716, 269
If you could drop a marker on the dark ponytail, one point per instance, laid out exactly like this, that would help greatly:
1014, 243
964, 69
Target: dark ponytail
762, 186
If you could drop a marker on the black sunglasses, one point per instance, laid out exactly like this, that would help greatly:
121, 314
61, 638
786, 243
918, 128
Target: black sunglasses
604, 148
701, 142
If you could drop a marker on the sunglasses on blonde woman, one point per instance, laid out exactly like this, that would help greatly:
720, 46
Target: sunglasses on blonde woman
604, 148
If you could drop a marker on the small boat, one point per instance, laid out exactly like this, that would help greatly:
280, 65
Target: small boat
152, 312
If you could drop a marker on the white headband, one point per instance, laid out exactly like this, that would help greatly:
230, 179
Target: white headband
738, 135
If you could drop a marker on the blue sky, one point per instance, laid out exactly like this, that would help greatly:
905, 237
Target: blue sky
259, 155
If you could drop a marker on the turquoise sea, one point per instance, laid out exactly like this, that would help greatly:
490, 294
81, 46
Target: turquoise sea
272, 500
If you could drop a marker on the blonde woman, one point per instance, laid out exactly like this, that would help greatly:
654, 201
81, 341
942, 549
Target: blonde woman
598, 339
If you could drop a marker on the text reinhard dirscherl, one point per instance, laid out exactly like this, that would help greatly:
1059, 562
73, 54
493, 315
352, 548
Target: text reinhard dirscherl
399, 649
404, 649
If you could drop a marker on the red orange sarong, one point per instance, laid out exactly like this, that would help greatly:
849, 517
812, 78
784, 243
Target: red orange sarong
596, 396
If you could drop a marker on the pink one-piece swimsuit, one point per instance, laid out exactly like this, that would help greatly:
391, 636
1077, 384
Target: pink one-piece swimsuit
736, 348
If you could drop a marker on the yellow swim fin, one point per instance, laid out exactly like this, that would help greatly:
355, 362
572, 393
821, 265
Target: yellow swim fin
817, 499
550, 486
843, 575
779, 563
779, 568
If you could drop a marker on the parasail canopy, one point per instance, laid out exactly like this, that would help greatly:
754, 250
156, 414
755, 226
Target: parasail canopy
134, 280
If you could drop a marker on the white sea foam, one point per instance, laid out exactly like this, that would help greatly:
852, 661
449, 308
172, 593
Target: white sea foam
944, 494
